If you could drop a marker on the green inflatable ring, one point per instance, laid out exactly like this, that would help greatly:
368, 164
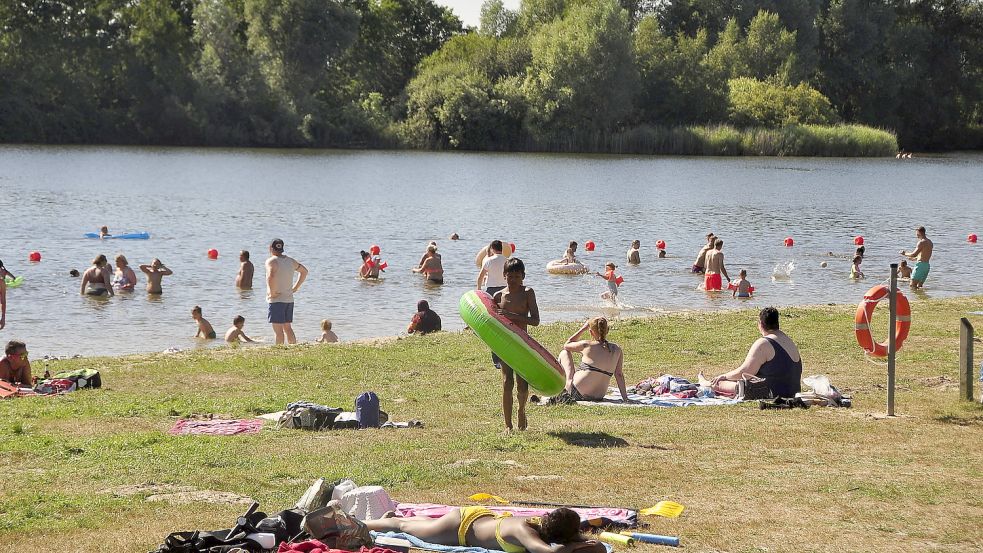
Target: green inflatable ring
13, 282
526, 356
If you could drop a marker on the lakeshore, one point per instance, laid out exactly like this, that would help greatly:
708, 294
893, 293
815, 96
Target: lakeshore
83, 470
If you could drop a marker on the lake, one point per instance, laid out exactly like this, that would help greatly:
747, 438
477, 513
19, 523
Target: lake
328, 205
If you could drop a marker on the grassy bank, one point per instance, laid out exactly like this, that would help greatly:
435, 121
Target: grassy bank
816, 480
724, 140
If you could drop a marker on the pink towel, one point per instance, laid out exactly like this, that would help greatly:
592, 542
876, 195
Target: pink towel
217, 427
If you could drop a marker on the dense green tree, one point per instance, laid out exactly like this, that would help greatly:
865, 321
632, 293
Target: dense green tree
768, 50
769, 104
497, 20
582, 76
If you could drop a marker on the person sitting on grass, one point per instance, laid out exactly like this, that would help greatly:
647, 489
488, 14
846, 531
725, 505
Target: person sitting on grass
235, 333
557, 532
15, 368
773, 357
425, 321
600, 361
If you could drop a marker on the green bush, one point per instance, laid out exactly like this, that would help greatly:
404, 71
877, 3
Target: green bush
762, 103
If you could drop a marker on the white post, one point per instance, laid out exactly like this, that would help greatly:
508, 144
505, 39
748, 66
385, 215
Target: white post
891, 338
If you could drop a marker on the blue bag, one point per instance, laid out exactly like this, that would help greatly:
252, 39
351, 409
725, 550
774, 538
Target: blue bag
367, 410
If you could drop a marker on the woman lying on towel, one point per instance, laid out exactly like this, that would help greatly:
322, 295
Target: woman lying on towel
773, 357
600, 361
557, 532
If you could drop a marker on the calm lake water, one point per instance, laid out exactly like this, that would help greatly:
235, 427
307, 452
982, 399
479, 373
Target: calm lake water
328, 205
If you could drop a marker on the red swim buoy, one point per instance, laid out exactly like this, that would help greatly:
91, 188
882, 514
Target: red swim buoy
383, 266
34, 257
971, 238
661, 245
512, 245
213, 254
375, 250
619, 281
789, 242
589, 245
858, 241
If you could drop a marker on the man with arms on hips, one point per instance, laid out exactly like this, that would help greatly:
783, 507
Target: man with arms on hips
922, 255
280, 289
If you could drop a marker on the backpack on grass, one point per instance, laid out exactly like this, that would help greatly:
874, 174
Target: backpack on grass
83, 378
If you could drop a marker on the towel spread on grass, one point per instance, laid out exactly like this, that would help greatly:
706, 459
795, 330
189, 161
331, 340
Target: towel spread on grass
216, 427
622, 517
666, 400
417, 542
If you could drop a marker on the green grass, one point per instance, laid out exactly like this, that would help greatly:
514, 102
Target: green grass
816, 480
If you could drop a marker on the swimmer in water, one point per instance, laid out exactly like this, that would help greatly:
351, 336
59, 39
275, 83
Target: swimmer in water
244, 279
205, 329
155, 272
235, 333
104, 232
369, 269
431, 266
327, 335
426, 254
922, 255
634, 258
904, 271
125, 279
74, 273
612, 280
97, 279
570, 256
455, 236
855, 272
861, 250
743, 288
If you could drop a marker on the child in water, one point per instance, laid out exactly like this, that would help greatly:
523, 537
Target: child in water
517, 302
570, 256
612, 280
327, 336
633, 256
369, 268
205, 329
743, 288
855, 272
904, 271
234, 334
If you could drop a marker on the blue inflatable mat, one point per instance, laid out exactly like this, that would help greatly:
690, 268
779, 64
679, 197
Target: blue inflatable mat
129, 236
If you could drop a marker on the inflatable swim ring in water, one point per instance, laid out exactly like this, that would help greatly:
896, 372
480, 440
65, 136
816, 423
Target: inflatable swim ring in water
558, 267
480, 258
526, 356
128, 236
13, 282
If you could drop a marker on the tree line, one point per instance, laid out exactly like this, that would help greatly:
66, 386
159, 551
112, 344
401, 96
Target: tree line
554, 74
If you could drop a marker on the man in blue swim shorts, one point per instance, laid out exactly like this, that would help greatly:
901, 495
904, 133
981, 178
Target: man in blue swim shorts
921, 255
280, 289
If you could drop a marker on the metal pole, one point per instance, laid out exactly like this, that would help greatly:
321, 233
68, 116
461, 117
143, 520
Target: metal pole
966, 360
891, 337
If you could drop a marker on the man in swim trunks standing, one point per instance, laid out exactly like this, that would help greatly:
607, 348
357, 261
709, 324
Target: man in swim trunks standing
922, 255
280, 290
715, 267
699, 266
244, 280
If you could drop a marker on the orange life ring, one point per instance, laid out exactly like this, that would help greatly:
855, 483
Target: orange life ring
862, 320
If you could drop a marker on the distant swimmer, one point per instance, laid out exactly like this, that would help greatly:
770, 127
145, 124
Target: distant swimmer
97, 279
431, 266
125, 279
855, 272
205, 329
104, 232
699, 266
327, 335
743, 288
369, 268
634, 258
904, 271
244, 279
235, 333
570, 256
922, 255
715, 267
155, 272
455, 236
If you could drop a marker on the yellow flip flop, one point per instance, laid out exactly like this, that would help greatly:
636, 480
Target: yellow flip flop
668, 509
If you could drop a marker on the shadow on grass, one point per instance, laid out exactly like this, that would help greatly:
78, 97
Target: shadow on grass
590, 439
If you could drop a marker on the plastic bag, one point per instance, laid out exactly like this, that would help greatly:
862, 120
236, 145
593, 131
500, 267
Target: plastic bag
821, 385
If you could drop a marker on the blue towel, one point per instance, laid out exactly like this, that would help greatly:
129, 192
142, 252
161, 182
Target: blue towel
417, 542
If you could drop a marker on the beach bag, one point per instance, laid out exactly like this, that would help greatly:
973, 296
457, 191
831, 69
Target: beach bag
337, 529
750, 388
367, 410
83, 378
307, 418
